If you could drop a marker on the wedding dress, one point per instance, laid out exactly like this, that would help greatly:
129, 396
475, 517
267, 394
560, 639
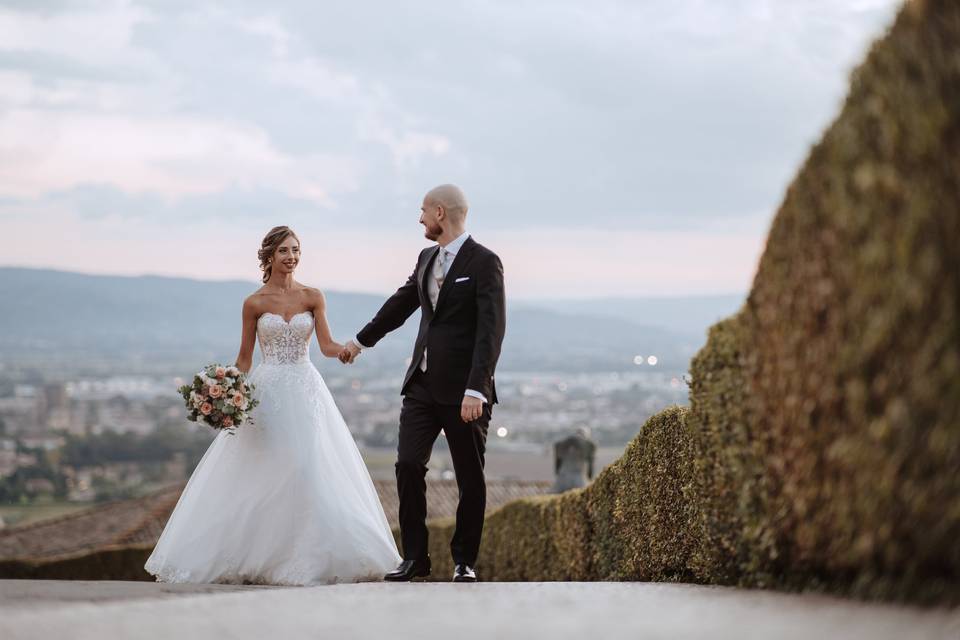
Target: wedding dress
285, 500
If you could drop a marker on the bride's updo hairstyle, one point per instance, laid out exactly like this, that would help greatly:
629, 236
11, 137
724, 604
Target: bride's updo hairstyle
269, 246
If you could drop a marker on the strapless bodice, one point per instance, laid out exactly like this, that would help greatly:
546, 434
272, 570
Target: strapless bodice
285, 342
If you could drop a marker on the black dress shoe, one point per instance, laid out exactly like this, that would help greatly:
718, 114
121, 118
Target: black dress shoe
464, 573
408, 570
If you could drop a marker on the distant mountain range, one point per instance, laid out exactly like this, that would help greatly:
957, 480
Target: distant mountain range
49, 315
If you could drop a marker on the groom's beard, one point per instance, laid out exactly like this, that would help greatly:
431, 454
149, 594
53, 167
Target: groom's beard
432, 233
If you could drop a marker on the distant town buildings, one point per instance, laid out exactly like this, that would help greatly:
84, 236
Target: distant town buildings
38, 418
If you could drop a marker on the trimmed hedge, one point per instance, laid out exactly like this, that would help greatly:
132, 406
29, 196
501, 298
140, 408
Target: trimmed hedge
639, 520
847, 378
821, 449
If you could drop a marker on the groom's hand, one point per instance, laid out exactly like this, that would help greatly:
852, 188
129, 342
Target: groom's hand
349, 353
471, 409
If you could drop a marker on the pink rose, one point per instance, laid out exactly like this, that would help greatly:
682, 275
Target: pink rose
220, 372
238, 399
227, 421
216, 391
206, 408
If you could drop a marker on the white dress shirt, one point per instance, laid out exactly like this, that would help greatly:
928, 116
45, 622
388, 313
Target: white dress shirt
433, 290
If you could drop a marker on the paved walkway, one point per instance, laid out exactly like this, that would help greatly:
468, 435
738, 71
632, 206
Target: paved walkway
107, 610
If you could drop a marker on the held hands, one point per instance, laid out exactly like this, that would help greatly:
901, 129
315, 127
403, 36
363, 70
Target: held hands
471, 409
349, 353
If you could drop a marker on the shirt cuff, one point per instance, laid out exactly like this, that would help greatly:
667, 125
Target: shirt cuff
357, 342
475, 394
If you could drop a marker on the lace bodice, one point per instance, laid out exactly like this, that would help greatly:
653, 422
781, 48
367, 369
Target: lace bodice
285, 342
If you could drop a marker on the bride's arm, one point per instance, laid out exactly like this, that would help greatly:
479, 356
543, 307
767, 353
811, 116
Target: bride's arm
328, 346
248, 337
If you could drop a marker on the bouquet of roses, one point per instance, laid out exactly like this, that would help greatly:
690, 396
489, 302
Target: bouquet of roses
219, 397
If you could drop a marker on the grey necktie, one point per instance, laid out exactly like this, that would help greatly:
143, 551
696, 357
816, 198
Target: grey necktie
439, 273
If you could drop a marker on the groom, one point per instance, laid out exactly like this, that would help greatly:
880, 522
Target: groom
458, 286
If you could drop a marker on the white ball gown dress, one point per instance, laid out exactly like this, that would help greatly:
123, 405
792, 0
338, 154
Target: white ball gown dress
286, 500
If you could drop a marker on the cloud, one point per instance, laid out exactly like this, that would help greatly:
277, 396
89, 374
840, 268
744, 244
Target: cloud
243, 207
662, 120
94, 34
168, 135
648, 114
169, 156
554, 264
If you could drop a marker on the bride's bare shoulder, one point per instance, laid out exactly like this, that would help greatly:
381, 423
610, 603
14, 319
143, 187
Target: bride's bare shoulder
254, 302
315, 296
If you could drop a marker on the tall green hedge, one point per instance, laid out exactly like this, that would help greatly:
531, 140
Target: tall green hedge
821, 449
639, 520
848, 367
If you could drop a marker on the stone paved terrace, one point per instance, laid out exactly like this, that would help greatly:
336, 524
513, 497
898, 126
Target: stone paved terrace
99, 610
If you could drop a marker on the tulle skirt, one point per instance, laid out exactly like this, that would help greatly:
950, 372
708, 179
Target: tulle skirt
286, 500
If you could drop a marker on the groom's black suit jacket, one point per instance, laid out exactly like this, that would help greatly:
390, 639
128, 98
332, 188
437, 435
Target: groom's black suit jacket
464, 334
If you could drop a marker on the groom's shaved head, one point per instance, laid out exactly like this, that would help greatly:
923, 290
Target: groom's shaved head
451, 198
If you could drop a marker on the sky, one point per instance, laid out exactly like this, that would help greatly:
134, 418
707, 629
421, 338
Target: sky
607, 148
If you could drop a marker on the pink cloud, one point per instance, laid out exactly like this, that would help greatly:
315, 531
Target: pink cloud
538, 263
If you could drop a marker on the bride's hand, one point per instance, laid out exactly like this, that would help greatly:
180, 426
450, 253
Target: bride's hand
349, 353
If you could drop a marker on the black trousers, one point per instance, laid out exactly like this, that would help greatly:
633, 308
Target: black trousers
421, 420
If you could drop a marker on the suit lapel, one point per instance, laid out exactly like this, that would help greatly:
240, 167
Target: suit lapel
422, 279
458, 267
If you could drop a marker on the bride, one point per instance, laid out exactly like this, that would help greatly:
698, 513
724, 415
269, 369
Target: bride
287, 499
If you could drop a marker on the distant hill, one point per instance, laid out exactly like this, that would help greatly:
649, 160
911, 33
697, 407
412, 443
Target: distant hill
52, 316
